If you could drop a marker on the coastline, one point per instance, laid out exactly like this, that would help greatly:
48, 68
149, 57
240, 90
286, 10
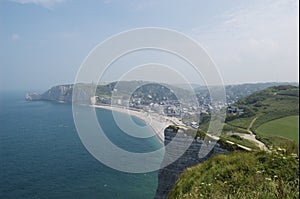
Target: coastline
158, 123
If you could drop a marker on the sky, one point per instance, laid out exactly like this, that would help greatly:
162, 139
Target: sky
44, 42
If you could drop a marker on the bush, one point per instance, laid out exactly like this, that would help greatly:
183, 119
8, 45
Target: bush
236, 137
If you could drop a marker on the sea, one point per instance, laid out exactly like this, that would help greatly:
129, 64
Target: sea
41, 155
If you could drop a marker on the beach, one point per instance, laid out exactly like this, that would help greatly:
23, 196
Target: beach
157, 122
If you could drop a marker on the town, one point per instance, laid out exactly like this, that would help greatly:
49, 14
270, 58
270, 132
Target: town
187, 111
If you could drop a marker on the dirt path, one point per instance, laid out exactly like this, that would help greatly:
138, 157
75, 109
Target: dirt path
250, 125
251, 136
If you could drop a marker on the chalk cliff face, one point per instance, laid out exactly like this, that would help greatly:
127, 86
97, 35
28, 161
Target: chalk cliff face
168, 176
61, 93
81, 94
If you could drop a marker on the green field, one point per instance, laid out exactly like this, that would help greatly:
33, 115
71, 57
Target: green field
287, 127
241, 122
266, 105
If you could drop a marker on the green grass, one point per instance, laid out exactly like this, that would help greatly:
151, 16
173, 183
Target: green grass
227, 128
257, 174
287, 127
238, 140
241, 175
241, 122
272, 109
266, 105
275, 141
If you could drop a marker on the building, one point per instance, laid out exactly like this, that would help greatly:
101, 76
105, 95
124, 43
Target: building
235, 110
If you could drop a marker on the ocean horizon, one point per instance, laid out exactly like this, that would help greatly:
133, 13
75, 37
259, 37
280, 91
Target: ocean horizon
42, 156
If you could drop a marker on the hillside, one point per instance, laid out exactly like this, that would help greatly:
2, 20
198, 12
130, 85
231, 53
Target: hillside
266, 105
126, 89
239, 91
241, 175
243, 90
272, 114
289, 125
268, 114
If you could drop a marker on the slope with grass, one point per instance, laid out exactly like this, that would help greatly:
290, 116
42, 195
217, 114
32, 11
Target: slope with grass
261, 108
287, 127
272, 114
241, 175
267, 105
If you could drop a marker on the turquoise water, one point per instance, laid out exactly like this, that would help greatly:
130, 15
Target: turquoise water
41, 155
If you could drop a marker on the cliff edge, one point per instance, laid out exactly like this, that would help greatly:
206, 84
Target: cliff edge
168, 176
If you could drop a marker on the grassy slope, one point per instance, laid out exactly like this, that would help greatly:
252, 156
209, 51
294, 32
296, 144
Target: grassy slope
238, 140
264, 106
241, 175
227, 127
241, 122
252, 174
267, 105
285, 127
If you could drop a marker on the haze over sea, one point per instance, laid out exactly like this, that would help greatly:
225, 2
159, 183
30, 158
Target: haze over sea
41, 155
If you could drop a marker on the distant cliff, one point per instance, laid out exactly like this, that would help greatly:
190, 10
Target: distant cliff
64, 93
61, 93
168, 176
148, 92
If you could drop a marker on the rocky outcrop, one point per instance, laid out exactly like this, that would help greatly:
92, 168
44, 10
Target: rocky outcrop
168, 176
81, 94
61, 93
33, 96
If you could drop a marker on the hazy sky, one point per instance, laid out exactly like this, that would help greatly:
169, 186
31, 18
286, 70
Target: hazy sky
43, 42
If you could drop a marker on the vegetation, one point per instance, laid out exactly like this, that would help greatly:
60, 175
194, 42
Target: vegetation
200, 134
223, 138
228, 127
241, 122
204, 121
266, 105
149, 92
270, 104
241, 141
173, 127
154, 92
287, 127
104, 90
272, 114
241, 175
242, 90
190, 132
275, 141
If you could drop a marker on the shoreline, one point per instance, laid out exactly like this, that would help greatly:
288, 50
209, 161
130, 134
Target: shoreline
156, 124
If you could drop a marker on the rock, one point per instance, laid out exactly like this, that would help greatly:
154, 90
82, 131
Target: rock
32, 96
168, 176
61, 93
64, 93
